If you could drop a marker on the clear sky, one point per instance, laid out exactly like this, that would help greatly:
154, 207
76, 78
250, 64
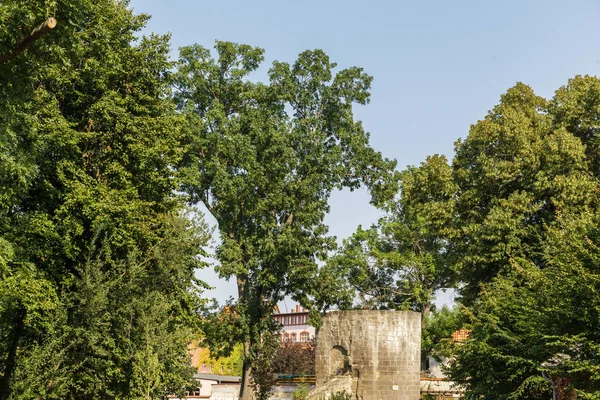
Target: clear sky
438, 66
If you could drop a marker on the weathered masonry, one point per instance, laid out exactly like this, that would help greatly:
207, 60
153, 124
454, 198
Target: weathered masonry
380, 350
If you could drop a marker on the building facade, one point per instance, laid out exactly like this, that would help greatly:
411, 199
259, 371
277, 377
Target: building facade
296, 327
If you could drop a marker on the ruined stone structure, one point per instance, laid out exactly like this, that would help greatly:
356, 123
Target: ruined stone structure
380, 350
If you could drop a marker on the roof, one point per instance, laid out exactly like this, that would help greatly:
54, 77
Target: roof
460, 335
218, 378
296, 310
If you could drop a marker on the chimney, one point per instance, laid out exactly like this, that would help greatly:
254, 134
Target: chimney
297, 307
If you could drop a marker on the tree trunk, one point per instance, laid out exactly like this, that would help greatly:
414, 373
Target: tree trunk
424, 314
245, 388
562, 391
11, 364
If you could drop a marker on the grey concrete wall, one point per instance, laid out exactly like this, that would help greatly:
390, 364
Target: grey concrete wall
380, 349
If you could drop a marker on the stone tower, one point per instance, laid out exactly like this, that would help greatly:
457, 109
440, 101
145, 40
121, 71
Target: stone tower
380, 350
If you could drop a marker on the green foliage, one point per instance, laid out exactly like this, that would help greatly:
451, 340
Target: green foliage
539, 320
301, 392
514, 171
264, 159
338, 396
224, 365
295, 358
97, 254
261, 356
526, 250
575, 107
436, 336
400, 262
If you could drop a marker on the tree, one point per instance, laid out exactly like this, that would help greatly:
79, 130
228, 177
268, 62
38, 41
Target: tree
97, 253
514, 172
526, 195
436, 337
295, 358
264, 159
401, 262
230, 365
534, 324
575, 107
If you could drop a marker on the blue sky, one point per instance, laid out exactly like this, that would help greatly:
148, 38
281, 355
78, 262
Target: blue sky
438, 66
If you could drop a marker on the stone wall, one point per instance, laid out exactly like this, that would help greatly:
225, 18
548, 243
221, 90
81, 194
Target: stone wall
286, 392
225, 391
441, 387
380, 349
334, 385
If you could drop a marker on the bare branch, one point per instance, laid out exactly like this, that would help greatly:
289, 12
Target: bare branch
38, 32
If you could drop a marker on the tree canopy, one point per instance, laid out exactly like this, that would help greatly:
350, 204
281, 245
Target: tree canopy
534, 321
510, 223
105, 143
264, 158
400, 262
97, 254
526, 202
515, 171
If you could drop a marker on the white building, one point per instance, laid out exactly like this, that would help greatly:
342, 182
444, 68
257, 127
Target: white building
295, 325
210, 386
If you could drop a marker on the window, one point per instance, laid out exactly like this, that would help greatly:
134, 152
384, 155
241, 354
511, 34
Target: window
194, 393
286, 337
293, 337
293, 320
304, 337
207, 368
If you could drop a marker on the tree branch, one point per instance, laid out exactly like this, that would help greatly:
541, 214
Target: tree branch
38, 32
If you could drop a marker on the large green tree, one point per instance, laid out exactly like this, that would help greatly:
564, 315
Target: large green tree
402, 261
515, 172
97, 258
527, 199
264, 158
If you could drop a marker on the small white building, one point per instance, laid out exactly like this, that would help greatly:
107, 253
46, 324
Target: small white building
213, 386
